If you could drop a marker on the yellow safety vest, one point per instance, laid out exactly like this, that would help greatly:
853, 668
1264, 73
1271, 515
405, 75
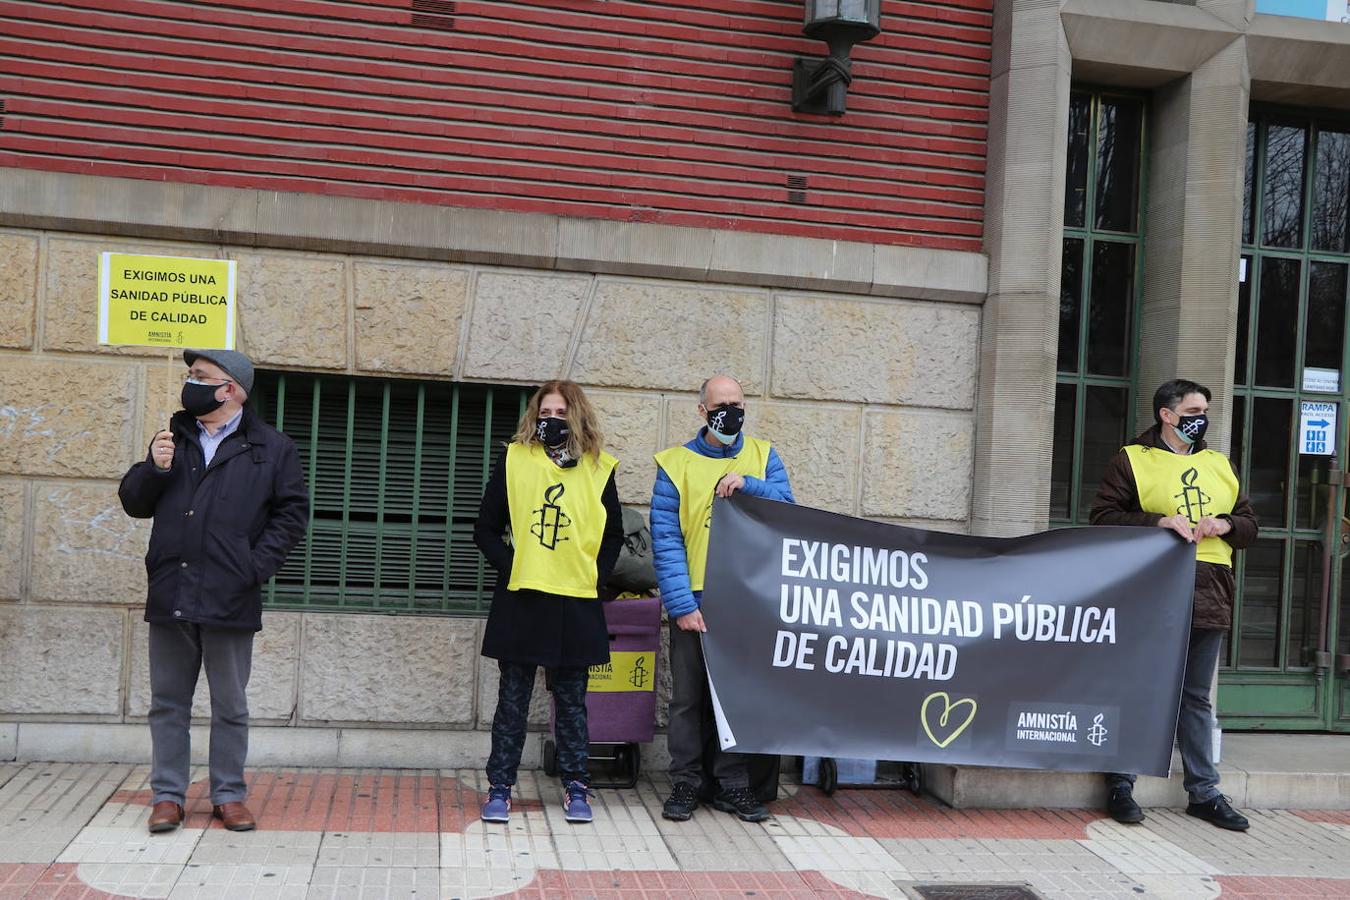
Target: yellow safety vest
1199, 484
695, 476
557, 520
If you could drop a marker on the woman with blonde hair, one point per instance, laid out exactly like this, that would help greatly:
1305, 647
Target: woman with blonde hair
553, 492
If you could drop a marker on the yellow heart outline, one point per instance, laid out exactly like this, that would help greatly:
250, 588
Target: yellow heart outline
946, 714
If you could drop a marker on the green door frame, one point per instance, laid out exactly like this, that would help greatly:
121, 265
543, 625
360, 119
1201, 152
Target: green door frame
1080, 378
1292, 694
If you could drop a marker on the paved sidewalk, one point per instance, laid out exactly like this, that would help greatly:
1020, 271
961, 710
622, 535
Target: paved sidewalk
78, 831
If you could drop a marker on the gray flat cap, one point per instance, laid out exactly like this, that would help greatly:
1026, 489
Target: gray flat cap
232, 363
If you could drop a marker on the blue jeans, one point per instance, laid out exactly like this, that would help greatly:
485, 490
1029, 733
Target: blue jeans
1195, 725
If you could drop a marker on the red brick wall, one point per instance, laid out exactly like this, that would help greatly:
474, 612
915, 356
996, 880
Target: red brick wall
675, 112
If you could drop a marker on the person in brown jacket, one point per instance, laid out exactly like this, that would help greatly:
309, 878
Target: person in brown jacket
1168, 478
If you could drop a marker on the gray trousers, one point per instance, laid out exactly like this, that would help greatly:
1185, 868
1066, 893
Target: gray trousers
1195, 724
691, 719
177, 654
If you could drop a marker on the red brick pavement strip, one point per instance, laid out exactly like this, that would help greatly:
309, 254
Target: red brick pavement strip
60, 882
1253, 887
17, 878
423, 803
1324, 816
879, 813
345, 803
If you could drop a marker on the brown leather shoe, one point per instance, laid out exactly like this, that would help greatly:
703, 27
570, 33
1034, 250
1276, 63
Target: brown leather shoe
165, 816
234, 816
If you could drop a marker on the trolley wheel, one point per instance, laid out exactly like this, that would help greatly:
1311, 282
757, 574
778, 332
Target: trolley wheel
829, 776
550, 757
913, 775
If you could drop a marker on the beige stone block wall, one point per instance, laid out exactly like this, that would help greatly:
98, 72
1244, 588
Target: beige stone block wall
408, 670
67, 417
670, 336
917, 464
885, 351
523, 325
61, 661
868, 401
408, 316
293, 309
18, 289
11, 538
89, 550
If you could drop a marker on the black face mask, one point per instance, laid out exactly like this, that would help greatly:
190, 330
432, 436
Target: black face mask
551, 432
1192, 428
726, 421
200, 399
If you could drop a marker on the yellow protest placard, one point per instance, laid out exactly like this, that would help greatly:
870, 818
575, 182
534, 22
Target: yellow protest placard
626, 671
166, 301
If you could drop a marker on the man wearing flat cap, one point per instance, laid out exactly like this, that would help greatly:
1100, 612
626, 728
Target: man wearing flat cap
229, 502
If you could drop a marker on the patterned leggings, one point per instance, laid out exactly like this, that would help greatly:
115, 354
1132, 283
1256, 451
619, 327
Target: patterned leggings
513, 708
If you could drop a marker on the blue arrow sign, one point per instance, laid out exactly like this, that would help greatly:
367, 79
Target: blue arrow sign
1320, 423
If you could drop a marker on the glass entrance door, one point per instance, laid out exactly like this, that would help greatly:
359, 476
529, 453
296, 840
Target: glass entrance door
1286, 664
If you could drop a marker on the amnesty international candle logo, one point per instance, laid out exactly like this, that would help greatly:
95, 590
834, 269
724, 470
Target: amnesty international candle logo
1193, 500
946, 718
627, 671
1098, 733
640, 675
550, 519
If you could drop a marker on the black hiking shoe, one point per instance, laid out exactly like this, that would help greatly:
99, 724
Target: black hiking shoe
741, 802
1218, 811
681, 803
1121, 807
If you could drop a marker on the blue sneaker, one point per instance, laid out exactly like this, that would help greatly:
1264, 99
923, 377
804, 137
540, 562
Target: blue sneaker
497, 807
576, 808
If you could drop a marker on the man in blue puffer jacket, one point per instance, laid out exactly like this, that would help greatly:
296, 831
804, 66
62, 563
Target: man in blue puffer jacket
719, 461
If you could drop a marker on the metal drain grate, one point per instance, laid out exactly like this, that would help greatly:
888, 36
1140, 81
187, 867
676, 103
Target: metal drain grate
975, 892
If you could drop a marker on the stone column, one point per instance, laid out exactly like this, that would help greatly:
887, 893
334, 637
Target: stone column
1192, 233
1236, 13
1028, 121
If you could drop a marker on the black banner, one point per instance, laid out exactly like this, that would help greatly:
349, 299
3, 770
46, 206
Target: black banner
835, 636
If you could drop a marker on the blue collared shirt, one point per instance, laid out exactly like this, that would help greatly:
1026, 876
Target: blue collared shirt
211, 442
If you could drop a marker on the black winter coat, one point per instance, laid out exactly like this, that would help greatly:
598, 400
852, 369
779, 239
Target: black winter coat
529, 626
221, 531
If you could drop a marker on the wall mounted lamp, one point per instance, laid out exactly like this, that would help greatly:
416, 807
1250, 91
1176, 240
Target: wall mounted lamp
820, 86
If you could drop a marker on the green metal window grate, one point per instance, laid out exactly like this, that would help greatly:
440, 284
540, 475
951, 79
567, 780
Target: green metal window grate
1100, 282
396, 471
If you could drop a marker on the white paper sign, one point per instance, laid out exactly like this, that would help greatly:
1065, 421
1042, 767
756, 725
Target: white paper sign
1323, 381
1317, 429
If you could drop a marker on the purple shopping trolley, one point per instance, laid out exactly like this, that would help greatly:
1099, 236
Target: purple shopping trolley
621, 696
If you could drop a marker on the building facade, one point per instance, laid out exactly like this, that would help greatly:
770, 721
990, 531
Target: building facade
948, 306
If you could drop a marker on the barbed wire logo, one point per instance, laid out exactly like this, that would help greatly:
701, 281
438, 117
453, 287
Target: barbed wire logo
640, 675
1097, 734
550, 518
1192, 499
